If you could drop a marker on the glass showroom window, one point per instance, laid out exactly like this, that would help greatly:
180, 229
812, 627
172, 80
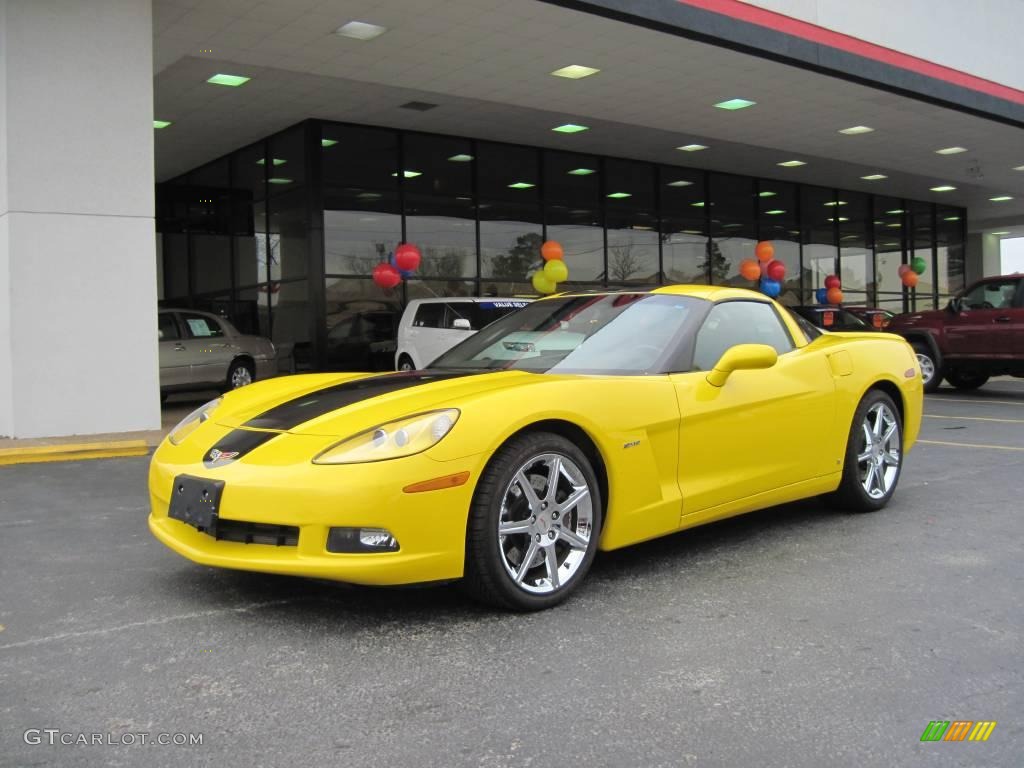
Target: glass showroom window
888, 222
856, 262
818, 234
632, 222
209, 213
949, 244
684, 240
733, 230
510, 241
362, 323
249, 214
437, 165
777, 222
444, 228
921, 236
581, 234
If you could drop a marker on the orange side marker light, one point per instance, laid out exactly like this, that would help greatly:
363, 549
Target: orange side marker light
438, 483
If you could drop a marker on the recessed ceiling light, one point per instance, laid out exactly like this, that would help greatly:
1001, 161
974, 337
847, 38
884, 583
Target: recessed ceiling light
734, 104
619, 195
832, 203
895, 212
841, 218
276, 161
520, 185
233, 81
692, 147
698, 204
409, 174
162, 123
767, 193
327, 143
360, 30
999, 233
279, 180
792, 163
575, 72
874, 177
774, 212
951, 218
680, 183
581, 171
570, 128
943, 188
460, 158
856, 129
950, 151
1001, 199
896, 225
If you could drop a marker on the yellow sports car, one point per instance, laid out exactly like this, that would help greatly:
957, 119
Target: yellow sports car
580, 422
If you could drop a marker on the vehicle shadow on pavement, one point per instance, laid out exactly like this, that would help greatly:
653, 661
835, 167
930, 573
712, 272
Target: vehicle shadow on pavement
338, 604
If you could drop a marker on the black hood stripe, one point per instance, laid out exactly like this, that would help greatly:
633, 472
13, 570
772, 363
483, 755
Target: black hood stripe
292, 413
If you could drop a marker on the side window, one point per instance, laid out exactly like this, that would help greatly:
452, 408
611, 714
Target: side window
429, 316
738, 322
167, 327
991, 295
460, 310
809, 329
202, 327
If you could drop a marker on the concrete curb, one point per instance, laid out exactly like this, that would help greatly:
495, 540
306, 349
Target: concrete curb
73, 451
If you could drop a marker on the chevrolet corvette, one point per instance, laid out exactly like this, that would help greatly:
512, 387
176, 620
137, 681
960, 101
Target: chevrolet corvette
580, 422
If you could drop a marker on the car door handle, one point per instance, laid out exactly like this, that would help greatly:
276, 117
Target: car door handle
1003, 319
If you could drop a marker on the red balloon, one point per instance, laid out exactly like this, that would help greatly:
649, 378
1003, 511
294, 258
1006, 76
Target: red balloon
764, 251
776, 270
551, 250
833, 282
750, 270
386, 276
910, 279
904, 268
407, 257
834, 296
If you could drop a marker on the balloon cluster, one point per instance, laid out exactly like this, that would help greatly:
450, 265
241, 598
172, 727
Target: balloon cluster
399, 266
909, 272
766, 268
832, 293
554, 271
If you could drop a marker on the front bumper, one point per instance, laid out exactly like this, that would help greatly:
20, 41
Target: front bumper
430, 527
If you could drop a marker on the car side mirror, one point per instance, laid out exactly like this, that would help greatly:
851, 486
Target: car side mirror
742, 357
956, 306
461, 324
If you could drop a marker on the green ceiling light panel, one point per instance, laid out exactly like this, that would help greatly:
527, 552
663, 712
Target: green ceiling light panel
460, 158
162, 124
692, 147
581, 171
895, 212
943, 188
856, 130
774, 212
570, 128
232, 81
951, 218
408, 174
833, 203
874, 177
680, 183
767, 193
1001, 199
950, 151
279, 180
520, 185
575, 72
791, 163
275, 161
325, 143
698, 204
733, 104
619, 195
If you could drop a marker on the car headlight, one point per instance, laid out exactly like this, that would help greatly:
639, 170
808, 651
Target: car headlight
190, 423
404, 437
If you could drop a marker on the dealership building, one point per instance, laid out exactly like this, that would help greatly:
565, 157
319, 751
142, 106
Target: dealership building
259, 159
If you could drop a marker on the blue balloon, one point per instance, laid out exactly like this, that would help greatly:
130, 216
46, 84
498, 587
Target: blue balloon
391, 260
821, 295
405, 273
771, 288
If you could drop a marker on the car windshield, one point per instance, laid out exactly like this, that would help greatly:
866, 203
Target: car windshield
621, 334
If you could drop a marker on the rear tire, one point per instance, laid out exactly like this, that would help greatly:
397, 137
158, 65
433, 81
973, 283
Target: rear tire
240, 374
966, 380
931, 373
533, 525
874, 455
405, 363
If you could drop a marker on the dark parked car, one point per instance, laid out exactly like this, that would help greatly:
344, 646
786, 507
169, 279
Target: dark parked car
363, 341
979, 334
876, 317
832, 318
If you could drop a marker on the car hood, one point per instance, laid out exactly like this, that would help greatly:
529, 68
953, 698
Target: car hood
339, 406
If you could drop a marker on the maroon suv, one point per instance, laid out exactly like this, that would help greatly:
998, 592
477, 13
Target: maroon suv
979, 334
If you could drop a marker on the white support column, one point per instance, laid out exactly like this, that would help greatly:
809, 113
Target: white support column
78, 350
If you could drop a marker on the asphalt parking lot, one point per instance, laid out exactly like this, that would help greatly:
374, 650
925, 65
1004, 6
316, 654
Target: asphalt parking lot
797, 636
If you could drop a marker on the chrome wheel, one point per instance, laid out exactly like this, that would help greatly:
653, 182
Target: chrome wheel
240, 376
878, 462
927, 367
545, 524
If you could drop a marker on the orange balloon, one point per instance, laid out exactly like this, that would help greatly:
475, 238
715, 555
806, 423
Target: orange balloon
764, 251
551, 250
910, 279
834, 296
750, 269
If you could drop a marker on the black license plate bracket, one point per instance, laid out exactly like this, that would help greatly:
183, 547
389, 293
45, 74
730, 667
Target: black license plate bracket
196, 501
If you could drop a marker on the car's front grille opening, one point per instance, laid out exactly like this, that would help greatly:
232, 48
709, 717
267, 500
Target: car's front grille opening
254, 533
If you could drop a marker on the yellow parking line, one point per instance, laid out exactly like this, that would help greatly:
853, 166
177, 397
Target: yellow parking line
973, 418
978, 401
972, 445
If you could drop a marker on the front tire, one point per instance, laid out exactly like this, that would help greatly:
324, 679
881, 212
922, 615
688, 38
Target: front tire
931, 373
874, 455
966, 380
534, 523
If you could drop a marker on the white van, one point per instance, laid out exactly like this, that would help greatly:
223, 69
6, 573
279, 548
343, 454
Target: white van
430, 327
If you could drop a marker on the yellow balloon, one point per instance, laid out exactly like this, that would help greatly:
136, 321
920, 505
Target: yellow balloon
556, 271
541, 283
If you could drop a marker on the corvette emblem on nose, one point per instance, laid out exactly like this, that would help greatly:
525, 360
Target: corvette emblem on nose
218, 455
